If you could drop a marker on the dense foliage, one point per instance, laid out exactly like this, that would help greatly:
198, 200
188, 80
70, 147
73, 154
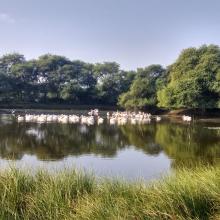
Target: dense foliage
55, 79
142, 92
193, 81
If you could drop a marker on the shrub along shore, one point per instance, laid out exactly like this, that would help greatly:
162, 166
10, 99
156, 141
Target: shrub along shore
188, 194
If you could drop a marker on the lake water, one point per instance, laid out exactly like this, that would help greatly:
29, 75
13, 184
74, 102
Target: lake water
127, 151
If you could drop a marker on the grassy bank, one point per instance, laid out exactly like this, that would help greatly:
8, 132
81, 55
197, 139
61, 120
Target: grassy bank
72, 195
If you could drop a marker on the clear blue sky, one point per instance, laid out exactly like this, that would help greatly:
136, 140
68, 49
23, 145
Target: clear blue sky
134, 33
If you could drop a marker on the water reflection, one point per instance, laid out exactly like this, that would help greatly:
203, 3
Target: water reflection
184, 143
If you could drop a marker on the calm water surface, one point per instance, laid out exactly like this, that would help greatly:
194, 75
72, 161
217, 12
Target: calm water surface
127, 151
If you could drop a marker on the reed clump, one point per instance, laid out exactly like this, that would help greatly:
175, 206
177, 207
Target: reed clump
188, 194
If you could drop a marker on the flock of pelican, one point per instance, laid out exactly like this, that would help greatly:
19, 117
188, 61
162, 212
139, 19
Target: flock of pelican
93, 117
122, 118
43, 118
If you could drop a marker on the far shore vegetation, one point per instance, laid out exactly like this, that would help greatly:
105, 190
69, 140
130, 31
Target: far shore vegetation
187, 194
192, 81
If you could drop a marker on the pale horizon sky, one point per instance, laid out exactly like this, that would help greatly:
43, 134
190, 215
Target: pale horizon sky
134, 33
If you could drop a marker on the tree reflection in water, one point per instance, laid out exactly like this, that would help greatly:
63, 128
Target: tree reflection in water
185, 144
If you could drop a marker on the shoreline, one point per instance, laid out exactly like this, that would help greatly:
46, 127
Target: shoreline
6, 108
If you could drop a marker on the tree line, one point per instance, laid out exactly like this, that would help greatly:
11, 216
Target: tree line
192, 81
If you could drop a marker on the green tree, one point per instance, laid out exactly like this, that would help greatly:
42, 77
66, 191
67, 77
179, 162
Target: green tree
71, 92
142, 93
49, 75
193, 80
111, 82
6, 88
9, 60
79, 82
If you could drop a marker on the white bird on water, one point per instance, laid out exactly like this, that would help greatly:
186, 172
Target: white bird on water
100, 120
186, 118
158, 118
20, 118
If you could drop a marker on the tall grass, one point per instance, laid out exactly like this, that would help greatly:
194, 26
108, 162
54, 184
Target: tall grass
76, 195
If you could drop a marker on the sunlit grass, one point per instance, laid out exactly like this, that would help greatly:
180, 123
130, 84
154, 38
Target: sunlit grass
189, 194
